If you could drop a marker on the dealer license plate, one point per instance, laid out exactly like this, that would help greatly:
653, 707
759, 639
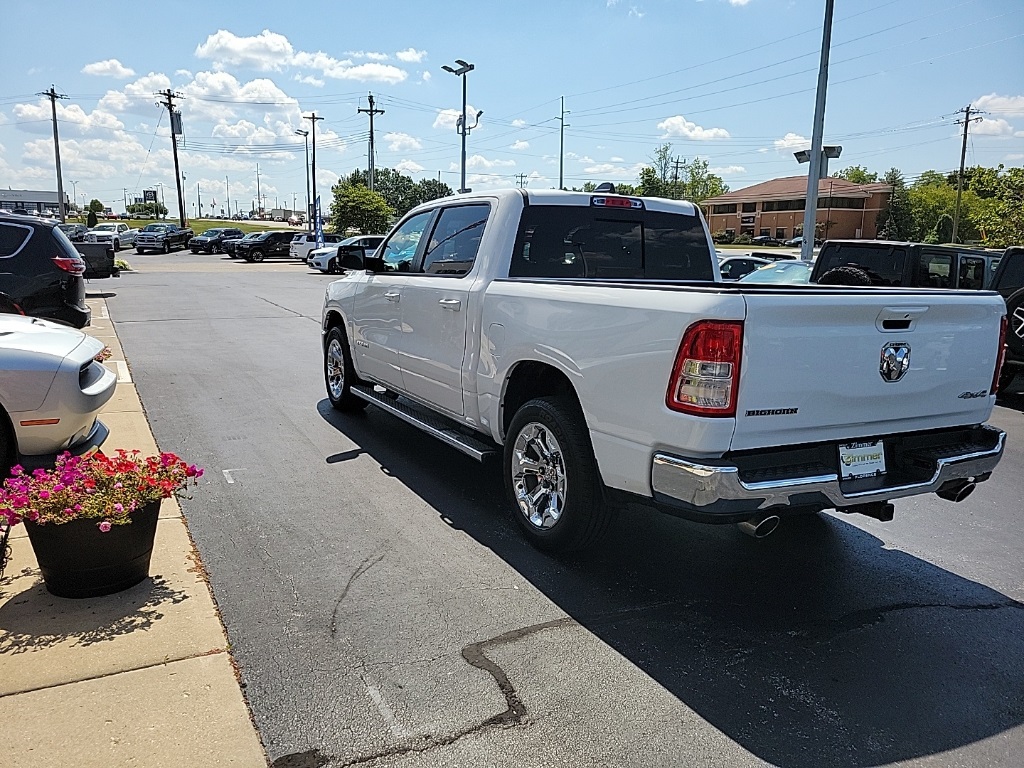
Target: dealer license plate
861, 460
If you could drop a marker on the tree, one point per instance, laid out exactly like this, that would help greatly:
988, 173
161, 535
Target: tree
697, 183
149, 209
356, 207
858, 174
90, 220
96, 205
651, 185
932, 198
398, 190
431, 189
1001, 219
943, 230
895, 222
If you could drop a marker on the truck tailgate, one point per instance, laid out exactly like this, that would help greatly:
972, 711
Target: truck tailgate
822, 365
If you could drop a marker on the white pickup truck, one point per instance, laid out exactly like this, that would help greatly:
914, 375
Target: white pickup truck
588, 340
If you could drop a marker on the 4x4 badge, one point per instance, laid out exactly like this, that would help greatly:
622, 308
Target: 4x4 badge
895, 361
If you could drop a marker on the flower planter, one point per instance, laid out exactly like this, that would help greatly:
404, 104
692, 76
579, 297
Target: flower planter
78, 560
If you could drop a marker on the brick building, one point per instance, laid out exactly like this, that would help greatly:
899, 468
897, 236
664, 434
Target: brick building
776, 208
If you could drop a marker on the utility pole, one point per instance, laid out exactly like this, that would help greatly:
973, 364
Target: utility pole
561, 144
125, 199
227, 195
675, 179
52, 95
521, 179
259, 200
199, 197
966, 122
316, 207
814, 172
371, 166
175, 118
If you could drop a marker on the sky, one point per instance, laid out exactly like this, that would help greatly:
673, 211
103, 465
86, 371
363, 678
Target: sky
729, 81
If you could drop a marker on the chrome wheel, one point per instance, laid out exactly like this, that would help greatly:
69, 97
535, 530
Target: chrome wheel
538, 476
335, 369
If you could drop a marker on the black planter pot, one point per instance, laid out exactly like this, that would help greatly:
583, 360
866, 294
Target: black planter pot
78, 560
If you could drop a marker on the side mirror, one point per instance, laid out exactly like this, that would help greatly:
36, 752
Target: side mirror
374, 264
352, 258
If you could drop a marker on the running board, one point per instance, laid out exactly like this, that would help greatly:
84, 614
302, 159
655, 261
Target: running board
431, 423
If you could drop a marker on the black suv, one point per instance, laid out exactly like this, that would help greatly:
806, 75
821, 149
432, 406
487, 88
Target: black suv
275, 242
910, 265
41, 273
212, 240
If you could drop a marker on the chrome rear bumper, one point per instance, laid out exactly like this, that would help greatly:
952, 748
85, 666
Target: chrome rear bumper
711, 489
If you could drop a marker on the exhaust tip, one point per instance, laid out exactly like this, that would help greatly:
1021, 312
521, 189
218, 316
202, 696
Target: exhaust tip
759, 527
957, 491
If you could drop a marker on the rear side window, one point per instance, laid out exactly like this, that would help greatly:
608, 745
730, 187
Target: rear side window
455, 240
935, 270
884, 264
601, 243
13, 238
1012, 275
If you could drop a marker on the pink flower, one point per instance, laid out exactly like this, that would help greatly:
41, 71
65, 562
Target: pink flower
119, 507
105, 526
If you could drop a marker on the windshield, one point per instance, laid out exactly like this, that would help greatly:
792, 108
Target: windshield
105, 228
212, 232
156, 228
784, 273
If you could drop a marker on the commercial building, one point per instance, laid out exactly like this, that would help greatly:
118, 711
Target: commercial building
32, 200
776, 208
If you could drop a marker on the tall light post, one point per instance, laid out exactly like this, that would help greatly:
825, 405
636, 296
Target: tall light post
312, 129
162, 205
309, 216
462, 127
74, 195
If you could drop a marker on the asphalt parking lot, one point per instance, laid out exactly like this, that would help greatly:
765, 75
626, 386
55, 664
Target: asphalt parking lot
383, 609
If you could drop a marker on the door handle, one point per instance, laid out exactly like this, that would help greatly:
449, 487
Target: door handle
393, 296
453, 304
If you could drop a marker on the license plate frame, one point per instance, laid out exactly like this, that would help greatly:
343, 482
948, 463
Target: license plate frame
861, 459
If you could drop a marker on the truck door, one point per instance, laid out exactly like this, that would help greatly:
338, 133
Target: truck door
377, 310
435, 308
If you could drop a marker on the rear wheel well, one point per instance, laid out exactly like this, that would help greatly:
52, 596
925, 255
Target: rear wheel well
529, 380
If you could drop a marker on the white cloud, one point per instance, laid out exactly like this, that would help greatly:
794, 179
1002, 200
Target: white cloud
137, 96
39, 116
267, 51
309, 80
601, 168
738, 2
1010, 158
371, 55
1001, 105
728, 170
369, 72
679, 126
402, 142
616, 159
411, 55
992, 127
446, 118
408, 166
520, 145
518, 123
426, 76
636, 13
108, 68
186, 73
792, 141
481, 163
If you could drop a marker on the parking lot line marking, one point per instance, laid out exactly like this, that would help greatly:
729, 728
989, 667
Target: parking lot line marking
227, 474
386, 712
103, 312
124, 376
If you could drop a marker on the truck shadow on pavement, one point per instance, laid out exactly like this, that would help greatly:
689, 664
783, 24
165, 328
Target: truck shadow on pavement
817, 646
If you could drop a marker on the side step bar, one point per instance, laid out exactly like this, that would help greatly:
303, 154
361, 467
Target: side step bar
431, 423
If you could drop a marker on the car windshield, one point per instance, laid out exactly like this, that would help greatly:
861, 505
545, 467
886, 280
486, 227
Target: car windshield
253, 236
156, 228
212, 232
780, 272
105, 228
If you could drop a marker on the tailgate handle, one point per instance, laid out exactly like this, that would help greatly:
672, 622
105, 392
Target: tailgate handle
892, 319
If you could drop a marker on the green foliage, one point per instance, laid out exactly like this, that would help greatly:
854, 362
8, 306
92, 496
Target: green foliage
942, 232
96, 206
149, 209
356, 207
90, 220
933, 199
399, 191
858, 174
679, 179
743, 239
896, 222
722, 238
1001, 219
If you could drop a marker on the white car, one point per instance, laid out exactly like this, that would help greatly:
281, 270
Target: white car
304, 242
120, 235
51, 388
326, 259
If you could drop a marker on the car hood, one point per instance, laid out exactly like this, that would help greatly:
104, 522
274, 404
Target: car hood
31, 334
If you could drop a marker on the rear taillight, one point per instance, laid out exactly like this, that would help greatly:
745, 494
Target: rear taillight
1000, 355
72, 266
707, 370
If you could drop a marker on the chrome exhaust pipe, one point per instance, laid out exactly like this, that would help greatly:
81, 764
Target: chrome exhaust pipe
759, 527
956, 490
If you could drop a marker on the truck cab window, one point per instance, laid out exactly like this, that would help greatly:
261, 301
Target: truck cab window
400, 249
455, 240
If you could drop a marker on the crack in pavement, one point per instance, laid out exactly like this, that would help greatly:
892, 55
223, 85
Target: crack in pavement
368, 562
868, 617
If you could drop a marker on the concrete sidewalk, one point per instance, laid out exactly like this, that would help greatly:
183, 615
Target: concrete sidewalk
142, 678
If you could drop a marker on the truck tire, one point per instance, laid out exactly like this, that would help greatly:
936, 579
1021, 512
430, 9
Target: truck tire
255, 255
845, 275
167, 246
117, 246
1015, 323
551, 476
339, 375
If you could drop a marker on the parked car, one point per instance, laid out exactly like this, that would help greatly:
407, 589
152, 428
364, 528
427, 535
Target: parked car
117, 235
580, 340
231, 244
41, 273
798, 241
781, 273
735, 267
296, 221
329, 259
162, 236
765, 240
910, 265
304, 242
273, 243
75, 232
51, 388
212, 240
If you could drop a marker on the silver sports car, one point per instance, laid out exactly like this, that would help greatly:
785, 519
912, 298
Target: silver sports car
51, 388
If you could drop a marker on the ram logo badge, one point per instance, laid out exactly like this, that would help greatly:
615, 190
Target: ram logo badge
895, 361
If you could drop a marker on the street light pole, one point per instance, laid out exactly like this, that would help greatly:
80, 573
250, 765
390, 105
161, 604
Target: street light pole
309, 215
461, 125
312, 129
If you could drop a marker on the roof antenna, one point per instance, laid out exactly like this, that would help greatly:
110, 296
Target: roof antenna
607, 187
